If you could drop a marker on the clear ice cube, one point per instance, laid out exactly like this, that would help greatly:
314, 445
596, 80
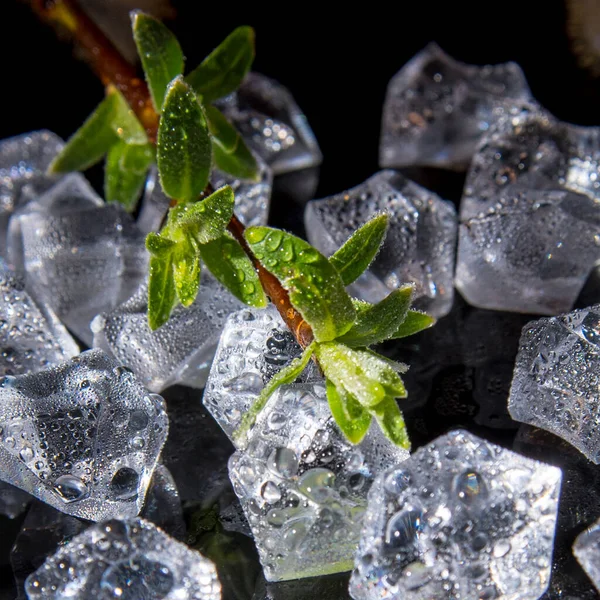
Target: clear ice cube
587, 552
31, 336
303, 486
420, 243
556, 381
254, 346
272, 124
83, 261
178, 352
83, 437
132, 560
461, 519
23, 163
252, 198
529, 232
436, 108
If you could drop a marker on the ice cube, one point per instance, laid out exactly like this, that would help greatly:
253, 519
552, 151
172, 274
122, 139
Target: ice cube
252, 198
329, 587
83, 261
462, 518
13, 501
556, 385
303, 486
23, 163
254, 346
31, 336
130, 559
529, 231
178, 352
420, 243
436, 108
272, 124
587, 551
83, 437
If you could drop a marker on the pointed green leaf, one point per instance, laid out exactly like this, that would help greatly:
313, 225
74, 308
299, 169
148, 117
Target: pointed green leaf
286, 375
350, 416
224, 69
90, 142
228, 262
161, 290
160, 53
158, 245
359, 251
380, 321
184, 152
391, 421
415, 321
229, 149
206, 220
125, 172
314, 286
186, 270
125, 123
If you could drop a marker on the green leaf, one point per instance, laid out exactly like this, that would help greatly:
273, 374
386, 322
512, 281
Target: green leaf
229, 149
90, 142
362, 374
359, 251
206, 220
380, 321
228, 262
184, 152
158, 245
286, 375
125, 172
314, 286
415, 321
124, 122
161, 290
391, 421
350, 416
160, 53
186, 270
224, 69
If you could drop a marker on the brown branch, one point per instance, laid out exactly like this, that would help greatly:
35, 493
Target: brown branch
112, 68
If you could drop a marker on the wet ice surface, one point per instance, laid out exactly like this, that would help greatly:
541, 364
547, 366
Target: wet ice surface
178, 352
23, 163
587, 552
125, 559
303, 486
272, 124
462, 518
329, 587
420, 242
254, 346
556, 382
83, 437
437, 108
530, 225
252, 198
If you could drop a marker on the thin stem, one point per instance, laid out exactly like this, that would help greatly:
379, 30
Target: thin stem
112, 68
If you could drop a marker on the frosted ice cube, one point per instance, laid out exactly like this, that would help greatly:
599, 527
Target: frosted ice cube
23, 163
130, 559
462, 518
587, 551
420, 242
254, 346
83, 261
530, 224
272, 124
252, 198
436, 108
556, 385
178, 352
303, 486
83, 437
31, 336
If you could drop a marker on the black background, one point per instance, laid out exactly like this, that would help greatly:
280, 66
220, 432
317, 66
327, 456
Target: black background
336, 60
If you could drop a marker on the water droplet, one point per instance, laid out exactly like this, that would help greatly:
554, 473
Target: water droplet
397, 481
317, 484
26, 454
283, 461
295, 534
137, 578
270, 492
138, 420
247, 382
276, 420
470, 487
124, 484
590, 328
501, 548
403, 528
70, 488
